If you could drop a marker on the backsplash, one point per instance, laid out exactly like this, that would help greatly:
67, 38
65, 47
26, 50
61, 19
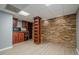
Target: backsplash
60, 30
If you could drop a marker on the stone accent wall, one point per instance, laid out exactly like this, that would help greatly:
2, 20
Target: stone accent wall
59, 30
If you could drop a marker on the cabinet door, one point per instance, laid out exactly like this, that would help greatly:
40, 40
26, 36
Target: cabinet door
21, 37
15, 37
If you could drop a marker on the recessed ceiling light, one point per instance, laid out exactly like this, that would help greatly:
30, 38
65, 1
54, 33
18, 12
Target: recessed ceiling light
24, 13
47, 4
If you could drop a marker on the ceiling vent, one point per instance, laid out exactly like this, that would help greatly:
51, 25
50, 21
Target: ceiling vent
12, 8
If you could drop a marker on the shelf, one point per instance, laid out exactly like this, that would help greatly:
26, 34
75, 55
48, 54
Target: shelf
37, 30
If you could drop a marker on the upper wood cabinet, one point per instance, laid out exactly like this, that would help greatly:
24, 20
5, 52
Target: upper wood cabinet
25, 24
15, 20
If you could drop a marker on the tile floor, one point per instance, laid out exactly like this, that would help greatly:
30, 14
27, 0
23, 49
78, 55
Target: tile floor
47, 48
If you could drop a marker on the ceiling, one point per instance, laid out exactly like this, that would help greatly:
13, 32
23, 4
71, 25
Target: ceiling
46, 12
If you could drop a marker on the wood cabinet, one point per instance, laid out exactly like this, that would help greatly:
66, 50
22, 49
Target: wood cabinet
30, 29
18, 37
15, 37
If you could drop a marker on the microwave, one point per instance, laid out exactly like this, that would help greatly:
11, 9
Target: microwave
16, 29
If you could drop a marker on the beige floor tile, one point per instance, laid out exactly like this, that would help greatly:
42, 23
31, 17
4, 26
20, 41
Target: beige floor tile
47, 48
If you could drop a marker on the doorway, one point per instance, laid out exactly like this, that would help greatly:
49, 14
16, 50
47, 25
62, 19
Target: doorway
30, 29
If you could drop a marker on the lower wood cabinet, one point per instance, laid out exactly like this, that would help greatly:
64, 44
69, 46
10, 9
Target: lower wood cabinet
18, 37
21, 37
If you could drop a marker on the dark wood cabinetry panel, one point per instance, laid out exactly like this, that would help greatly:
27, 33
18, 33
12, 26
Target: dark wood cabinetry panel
30, 24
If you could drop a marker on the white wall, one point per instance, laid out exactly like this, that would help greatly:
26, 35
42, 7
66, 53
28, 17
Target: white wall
5, 30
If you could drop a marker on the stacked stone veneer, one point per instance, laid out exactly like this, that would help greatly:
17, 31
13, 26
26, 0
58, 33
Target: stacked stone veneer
60, 30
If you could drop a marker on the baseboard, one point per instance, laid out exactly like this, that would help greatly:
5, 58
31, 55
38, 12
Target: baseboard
77, 51
6, 48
